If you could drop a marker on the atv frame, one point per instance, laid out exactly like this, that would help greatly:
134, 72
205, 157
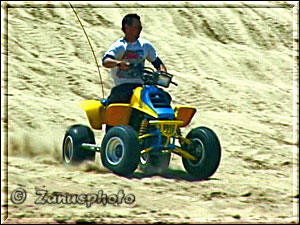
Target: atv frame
144, 133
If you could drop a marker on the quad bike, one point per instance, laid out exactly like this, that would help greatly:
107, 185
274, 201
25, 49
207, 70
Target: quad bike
143, 133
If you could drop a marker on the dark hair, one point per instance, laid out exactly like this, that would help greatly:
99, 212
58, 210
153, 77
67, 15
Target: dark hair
128, 19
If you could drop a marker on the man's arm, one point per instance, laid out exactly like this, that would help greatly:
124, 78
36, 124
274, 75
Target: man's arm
109, 62
158, 64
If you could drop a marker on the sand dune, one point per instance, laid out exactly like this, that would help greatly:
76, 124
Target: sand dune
237, 63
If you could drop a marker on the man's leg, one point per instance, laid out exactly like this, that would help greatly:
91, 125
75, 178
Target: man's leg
121, 94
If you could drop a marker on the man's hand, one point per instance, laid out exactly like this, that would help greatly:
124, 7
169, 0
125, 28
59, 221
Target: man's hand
123, 65
111, 63
163, 68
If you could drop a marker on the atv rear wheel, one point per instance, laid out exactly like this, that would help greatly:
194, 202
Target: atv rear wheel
206, 147
120, 150
73, 153
154, 164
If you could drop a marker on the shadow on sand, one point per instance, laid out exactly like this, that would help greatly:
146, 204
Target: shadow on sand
169, 174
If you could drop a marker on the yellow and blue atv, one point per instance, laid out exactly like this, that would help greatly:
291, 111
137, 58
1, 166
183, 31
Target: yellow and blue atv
143, 133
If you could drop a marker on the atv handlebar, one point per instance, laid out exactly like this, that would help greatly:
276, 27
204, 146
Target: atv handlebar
151, 77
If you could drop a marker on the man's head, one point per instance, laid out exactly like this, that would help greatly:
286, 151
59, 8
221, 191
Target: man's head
131, 25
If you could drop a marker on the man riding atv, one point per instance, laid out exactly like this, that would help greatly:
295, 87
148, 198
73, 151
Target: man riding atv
142, 128
126, 57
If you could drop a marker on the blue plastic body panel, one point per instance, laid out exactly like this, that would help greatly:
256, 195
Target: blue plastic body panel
162, 112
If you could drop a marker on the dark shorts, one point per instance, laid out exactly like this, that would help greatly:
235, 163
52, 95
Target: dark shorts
122, 93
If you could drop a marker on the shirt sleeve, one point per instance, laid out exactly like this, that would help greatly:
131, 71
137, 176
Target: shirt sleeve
115, 51
151, 53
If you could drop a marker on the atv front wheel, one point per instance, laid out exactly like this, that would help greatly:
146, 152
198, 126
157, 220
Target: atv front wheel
73, 153
120, 150
154, 164
207, 149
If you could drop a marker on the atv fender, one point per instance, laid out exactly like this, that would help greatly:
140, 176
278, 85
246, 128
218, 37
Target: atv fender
184, 114
95, 112
118, 114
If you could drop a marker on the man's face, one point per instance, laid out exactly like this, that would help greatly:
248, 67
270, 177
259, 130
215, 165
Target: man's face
135, 29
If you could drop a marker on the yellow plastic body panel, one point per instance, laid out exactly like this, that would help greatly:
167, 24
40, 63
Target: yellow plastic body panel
139, 105
95, 112
184, 114
118, 114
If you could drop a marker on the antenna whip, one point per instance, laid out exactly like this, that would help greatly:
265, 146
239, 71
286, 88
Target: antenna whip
91, 49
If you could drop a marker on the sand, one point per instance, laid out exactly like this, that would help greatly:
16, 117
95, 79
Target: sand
236, 62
